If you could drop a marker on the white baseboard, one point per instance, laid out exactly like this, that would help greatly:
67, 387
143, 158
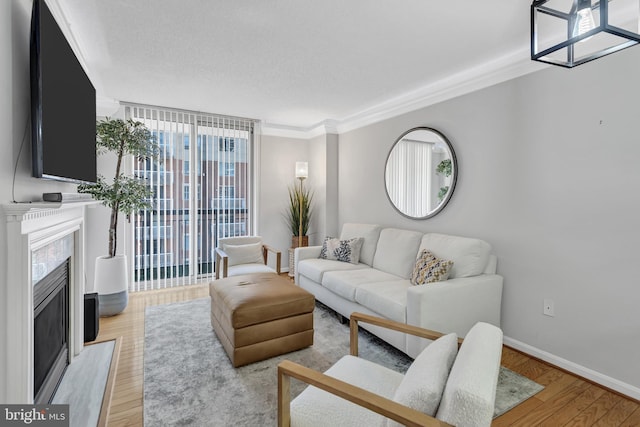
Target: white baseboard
590, 374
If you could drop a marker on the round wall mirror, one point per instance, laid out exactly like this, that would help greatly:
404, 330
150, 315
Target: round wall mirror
421, 172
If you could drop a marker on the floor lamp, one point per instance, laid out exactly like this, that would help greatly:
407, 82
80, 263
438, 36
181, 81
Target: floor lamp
302, 172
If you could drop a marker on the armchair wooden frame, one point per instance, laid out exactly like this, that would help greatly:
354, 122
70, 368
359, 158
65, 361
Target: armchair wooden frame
222, 260
381, 405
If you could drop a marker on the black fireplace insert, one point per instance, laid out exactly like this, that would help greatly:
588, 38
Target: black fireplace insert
51, 332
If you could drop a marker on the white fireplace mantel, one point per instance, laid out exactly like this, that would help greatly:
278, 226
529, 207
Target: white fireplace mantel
31, 226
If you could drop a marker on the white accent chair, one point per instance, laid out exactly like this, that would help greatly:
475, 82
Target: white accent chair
443, 386
244, 255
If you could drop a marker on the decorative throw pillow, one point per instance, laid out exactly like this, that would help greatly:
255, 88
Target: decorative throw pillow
429, 269
323, 251
425, 380
342, 250
250, 253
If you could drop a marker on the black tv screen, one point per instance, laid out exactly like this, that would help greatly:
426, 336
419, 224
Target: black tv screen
63, 105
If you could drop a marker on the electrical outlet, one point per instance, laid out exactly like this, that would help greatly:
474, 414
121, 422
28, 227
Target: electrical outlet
547, 308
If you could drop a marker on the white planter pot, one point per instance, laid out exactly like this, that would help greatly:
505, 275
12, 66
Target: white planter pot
112, 284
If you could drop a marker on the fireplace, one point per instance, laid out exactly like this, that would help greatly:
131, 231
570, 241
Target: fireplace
50, 332
33, 232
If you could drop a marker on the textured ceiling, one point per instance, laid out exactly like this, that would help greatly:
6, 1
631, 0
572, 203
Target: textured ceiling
293, 63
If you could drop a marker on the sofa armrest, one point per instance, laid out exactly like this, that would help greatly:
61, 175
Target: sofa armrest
454, 305
302, 253
356, 318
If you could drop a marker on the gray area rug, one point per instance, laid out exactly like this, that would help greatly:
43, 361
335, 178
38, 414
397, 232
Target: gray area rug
189, 380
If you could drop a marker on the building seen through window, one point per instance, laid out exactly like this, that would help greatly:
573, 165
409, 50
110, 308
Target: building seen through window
201, 193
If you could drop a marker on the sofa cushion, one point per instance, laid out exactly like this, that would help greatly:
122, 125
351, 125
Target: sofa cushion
342, 250
469, 396
244, 254
423, 383
345, 283
469, 256
370, 234
388, 298
429, 269
315, 268
396, 252
315, 407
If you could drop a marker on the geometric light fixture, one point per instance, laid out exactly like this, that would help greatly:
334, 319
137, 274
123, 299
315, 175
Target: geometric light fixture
569, 33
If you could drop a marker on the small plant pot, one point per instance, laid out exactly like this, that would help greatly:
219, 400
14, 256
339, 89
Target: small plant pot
295, 241
112, 284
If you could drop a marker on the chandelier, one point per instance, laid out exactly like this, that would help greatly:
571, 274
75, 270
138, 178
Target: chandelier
569, 33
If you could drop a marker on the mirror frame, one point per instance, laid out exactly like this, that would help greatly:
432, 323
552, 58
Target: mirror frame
454, 179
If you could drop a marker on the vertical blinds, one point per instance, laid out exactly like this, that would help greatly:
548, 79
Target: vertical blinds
409, 175
202, 191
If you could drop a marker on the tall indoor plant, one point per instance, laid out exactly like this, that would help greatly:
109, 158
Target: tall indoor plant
124, 194
299, 210
444, 168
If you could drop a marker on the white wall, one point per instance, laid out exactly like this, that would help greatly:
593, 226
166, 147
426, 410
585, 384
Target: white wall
317, 184
278, 158
15, 21
323, 182
549, 176
6, 136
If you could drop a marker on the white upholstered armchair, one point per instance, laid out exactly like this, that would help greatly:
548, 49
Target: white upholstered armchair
443, 386
244, 255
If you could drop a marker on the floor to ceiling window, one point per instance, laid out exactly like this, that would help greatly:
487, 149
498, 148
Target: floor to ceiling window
202, 191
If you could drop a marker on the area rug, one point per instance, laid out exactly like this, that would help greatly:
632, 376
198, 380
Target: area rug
189, 380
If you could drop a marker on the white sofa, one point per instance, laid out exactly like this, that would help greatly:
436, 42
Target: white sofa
379, 284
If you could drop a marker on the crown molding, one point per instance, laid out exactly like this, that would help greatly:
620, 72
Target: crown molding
106, 107
510, 66
328, 126
491, 73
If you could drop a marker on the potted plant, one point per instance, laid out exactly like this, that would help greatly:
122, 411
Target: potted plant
443, 168
124, 194
299, 211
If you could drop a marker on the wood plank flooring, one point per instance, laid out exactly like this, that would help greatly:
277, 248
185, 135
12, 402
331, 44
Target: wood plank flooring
567, 400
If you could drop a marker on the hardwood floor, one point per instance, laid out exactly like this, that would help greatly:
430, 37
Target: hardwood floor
126, 403
567, 400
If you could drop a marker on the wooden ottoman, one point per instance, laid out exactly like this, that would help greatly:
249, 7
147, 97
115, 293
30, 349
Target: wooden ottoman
261, 315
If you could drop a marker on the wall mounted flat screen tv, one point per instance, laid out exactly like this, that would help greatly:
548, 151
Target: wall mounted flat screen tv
63, 105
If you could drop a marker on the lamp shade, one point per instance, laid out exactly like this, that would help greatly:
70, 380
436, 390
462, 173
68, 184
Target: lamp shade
302, 170
572, 32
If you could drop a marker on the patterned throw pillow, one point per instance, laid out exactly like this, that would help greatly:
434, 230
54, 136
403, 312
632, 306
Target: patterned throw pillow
323, 251
342, 250
429, 269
